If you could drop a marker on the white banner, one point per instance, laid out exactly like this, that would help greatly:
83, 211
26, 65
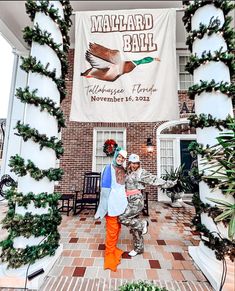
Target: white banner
125, 66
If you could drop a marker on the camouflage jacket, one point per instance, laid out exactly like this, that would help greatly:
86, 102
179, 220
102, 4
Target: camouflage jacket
138, 179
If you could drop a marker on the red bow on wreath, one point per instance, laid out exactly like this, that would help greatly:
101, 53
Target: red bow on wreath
109, 147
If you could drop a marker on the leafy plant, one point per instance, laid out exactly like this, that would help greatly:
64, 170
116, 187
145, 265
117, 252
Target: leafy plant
221, 162
140, 286
228, 214
183, 184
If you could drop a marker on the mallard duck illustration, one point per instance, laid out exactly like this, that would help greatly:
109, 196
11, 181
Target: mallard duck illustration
107, 65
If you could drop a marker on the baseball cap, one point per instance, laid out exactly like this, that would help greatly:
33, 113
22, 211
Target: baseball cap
123, 153
133, 158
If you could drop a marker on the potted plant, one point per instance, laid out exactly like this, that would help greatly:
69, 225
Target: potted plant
182, 186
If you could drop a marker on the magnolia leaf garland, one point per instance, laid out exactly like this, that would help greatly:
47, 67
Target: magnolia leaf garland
44, 38
192, 7
45, 224
40, 200
31, 64
222, 247
206, 57
213, 27
223, 182
32, 7
207, 120
16, 257
53, 142
32, 224
212, 86
21, 168
46, 103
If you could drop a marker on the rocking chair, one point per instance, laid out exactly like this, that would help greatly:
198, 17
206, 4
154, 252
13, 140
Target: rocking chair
89, 197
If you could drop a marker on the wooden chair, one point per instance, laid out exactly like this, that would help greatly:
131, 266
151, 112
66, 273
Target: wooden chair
89, 197
67, 203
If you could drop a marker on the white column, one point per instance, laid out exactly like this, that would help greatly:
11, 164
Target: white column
16, 109
43, 159
218, 105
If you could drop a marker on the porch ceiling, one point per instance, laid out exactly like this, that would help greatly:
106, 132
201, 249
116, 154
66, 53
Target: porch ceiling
13, 17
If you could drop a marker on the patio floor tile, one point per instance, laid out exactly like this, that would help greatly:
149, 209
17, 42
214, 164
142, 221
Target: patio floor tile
79, 272
165, 261
154, 264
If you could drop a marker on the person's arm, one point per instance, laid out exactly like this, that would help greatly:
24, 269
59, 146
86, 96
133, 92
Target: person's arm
148, 178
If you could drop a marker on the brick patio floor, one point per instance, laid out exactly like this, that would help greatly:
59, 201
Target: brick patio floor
165, 261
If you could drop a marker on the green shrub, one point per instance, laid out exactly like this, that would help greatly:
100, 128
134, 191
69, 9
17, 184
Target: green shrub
140, 286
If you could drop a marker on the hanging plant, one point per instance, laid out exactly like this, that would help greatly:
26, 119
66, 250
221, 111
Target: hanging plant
109, 147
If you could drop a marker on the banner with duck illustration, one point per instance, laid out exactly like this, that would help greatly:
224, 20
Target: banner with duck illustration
125, 66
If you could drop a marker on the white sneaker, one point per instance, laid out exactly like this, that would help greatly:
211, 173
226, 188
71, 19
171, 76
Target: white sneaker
145, 228
132, 253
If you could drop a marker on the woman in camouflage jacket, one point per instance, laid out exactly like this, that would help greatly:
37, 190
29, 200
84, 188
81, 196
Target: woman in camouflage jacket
136, 178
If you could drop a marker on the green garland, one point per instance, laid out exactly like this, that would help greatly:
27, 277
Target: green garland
222, 247
43, 37
46, 103
207, 153
203, 120
16, 257
213, 27
212, 211
40, 200
224, 5
32, 7
31, 64
225, 57
31, 224
26, 133
212, 86
20, 168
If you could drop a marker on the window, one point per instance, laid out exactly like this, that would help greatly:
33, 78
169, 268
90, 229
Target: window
185, 79
166, 155
100, 136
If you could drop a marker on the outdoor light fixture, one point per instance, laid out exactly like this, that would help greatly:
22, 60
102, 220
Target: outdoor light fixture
149, 145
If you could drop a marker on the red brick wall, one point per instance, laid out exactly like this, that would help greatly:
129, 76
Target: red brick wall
77, 139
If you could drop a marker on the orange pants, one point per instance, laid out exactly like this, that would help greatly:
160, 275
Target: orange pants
113, 254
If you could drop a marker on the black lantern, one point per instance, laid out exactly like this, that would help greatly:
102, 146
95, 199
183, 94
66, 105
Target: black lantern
149, 145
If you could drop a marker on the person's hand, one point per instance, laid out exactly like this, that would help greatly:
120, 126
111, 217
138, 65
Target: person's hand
169, 184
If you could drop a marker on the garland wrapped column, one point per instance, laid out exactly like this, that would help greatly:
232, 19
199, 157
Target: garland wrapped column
33, 218
211, 40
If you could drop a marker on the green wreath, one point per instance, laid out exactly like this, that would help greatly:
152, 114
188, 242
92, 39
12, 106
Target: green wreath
109, 147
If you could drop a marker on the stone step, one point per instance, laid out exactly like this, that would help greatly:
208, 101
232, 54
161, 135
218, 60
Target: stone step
63, 283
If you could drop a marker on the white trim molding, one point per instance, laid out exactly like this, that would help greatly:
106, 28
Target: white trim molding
176, 138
